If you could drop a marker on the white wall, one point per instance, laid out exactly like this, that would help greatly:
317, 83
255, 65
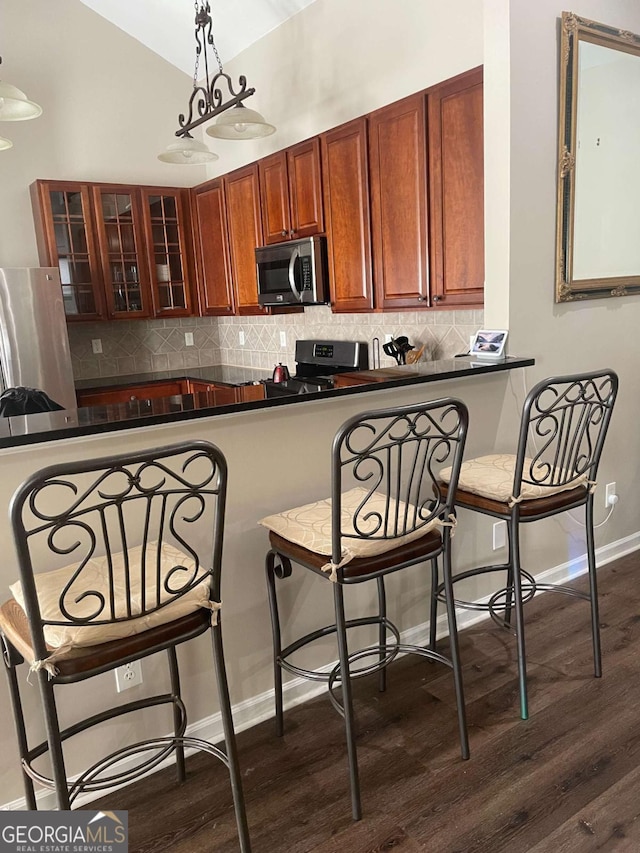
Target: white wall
110, 106
335, 61
572, 336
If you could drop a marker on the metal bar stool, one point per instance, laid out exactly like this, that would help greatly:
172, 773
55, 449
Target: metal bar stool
386, 513
562, 432
139, 540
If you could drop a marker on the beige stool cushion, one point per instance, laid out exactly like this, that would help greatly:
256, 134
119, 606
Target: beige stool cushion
492, 477
95, 576
310, 525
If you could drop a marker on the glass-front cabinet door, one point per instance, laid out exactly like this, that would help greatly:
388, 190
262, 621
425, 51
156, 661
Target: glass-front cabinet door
164, 220
121, 239
66, 240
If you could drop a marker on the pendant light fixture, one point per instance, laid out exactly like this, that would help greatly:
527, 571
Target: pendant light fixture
14, 104
207, 101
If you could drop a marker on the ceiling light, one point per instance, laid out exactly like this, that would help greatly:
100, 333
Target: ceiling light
14, 104
187, 152
5, 143
208, 101
240, 123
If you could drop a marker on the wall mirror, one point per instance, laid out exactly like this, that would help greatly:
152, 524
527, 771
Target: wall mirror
598, 222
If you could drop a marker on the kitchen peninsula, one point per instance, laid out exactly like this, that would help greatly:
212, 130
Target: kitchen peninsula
278, 454
239, 397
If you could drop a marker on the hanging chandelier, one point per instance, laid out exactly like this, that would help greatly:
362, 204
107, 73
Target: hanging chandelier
15, 106
214, 98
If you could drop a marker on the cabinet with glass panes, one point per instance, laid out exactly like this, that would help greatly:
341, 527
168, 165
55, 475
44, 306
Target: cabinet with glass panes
121, 250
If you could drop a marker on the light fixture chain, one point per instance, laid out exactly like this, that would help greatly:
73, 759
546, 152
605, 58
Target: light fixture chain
197, 65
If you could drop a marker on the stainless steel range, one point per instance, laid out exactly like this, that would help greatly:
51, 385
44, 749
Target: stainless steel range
317, 362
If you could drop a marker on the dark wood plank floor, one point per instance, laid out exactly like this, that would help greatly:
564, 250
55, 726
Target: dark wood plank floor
565, 781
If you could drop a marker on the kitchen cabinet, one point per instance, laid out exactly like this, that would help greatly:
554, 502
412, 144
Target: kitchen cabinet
244, 222
346, 206
125, 274
215, 287
65, 234
398, 192
166, 223
130, 393
456, 169
205, 393
121, 250
291, 193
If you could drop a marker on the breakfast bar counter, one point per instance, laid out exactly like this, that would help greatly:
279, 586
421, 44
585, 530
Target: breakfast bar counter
278, 452
233, 398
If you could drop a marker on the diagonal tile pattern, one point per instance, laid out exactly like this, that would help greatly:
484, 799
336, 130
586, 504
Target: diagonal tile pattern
139, 346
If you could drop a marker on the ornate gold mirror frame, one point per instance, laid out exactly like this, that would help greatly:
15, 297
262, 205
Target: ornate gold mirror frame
576, 32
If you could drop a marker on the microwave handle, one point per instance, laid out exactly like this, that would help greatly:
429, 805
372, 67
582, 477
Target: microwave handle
292, 284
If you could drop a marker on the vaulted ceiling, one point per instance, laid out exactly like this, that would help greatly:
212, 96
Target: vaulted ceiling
167, 26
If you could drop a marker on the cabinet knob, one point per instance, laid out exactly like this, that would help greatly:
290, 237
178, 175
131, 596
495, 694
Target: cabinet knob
292, 233
284, 233
420, 298
133, 397
437, 298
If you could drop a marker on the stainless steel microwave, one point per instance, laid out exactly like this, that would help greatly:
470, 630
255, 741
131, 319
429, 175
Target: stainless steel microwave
293, 273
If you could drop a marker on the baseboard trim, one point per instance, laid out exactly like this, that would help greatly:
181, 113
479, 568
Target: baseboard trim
259, 708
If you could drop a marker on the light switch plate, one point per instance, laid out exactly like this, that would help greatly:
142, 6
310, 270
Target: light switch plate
241, 338
188, 339
283, 340
96, 346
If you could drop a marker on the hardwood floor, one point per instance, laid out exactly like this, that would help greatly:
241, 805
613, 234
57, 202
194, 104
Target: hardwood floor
565, 781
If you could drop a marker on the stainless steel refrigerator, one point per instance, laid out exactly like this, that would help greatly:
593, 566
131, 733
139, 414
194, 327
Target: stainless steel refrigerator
34, 346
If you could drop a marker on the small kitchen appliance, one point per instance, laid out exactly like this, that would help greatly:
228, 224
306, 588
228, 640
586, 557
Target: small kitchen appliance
280, 373
316, 363
293, 273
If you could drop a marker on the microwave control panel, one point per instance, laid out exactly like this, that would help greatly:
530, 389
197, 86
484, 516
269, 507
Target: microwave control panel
305, 269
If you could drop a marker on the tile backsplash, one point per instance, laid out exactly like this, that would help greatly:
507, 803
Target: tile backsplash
141, 346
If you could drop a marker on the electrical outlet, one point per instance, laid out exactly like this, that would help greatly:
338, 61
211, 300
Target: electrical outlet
128, 675
283, 340
499, 535
188, 339
241, 338
96, 346
610, 495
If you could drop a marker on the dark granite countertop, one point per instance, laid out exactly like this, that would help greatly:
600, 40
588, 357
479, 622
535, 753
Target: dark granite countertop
227, 374
234, 399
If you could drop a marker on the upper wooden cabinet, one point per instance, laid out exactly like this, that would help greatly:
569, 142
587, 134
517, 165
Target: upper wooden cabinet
65, 233
122, 251
456, 170
398, 173
291, 193
125, 272
167, 225
215, 290
242, 193
346, 197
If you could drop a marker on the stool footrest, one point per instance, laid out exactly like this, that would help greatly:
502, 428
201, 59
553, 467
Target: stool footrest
162, 747
503, 597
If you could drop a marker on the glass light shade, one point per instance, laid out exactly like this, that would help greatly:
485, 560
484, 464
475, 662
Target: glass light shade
14, 104
187, 152
5, 143
240, 123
